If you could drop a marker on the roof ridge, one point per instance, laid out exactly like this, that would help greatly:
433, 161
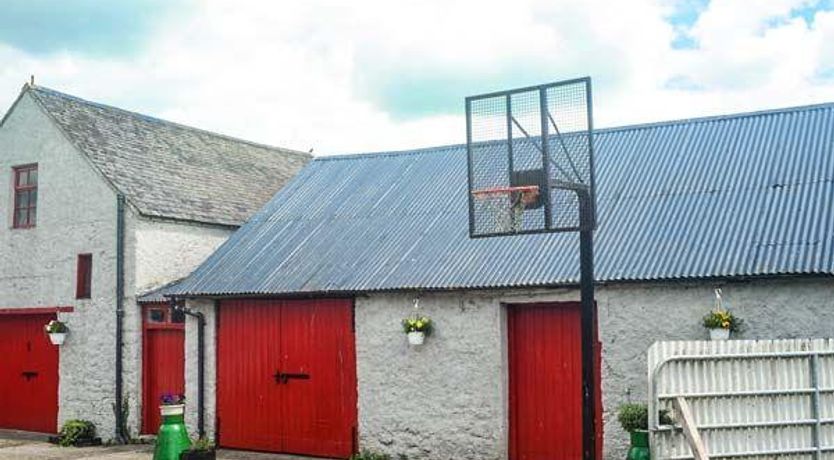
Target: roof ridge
636, 126
38, 88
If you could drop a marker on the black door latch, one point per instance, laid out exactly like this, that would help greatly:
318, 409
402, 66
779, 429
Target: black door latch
283, 377
29, 375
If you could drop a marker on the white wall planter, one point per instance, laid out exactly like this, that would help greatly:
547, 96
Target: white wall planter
416, 338
719, 334
57, 338
171, 409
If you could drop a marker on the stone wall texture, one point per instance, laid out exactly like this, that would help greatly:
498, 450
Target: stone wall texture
76, 214
206, 307
169, 250
448, 399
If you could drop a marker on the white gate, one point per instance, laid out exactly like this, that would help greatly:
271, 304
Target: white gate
765, 399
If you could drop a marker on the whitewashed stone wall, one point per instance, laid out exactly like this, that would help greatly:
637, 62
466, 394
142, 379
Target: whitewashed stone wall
206, 307
448, 399
76, 214
170, 250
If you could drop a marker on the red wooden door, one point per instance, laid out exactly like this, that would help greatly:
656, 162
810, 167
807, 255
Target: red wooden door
545, 381
287, 376
163, 361
28, 374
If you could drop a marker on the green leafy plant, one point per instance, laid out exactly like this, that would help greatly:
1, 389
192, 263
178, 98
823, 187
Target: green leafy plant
73, 430
418, 324
56, 327
635, 417
202, 445
366, 454
722, 319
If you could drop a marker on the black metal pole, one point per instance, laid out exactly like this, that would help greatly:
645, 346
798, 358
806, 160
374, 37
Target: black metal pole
588, 323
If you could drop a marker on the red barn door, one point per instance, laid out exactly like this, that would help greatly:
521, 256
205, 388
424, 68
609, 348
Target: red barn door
545, 380
286, 377
28, 374
163, 361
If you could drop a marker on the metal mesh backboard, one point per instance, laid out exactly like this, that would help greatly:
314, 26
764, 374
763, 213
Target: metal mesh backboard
530, 158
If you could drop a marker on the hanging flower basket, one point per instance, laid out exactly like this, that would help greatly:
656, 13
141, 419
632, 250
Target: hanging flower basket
417, 328
720, 321
57, 331
719, 334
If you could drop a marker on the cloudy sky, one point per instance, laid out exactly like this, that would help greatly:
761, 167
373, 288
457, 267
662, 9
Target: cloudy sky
368, 75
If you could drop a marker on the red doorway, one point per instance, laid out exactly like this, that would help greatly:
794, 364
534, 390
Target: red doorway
545, 382
163, 360
28, 374
286, 376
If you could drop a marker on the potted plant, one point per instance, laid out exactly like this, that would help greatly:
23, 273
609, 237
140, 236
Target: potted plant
78, 433
57, 331
417, 328
172, 404
172, 438
634, 418
720, 323
201, 449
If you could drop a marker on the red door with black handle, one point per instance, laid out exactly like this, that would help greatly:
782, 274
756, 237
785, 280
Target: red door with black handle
28, 374
286, 377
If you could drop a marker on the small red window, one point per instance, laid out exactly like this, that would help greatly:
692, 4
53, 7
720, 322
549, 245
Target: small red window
84, 276
25, 196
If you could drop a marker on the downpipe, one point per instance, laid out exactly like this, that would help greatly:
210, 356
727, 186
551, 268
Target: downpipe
118, 406
201, 359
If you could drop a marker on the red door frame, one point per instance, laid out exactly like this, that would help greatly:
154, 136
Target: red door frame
285, 337
170, 335
32, 406
570, 311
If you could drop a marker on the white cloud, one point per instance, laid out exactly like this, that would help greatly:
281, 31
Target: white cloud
307, 74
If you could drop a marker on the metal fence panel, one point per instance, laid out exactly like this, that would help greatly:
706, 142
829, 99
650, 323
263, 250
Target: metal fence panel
750, 399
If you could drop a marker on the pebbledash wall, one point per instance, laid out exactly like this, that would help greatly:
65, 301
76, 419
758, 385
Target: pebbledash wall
77, 214
40, 263
448, 399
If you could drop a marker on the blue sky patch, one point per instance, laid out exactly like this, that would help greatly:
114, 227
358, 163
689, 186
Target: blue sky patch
89, 27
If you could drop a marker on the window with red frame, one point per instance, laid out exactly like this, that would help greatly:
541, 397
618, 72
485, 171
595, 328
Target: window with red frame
84, 276
25, 196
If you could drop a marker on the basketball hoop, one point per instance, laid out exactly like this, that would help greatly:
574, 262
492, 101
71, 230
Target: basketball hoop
506, 205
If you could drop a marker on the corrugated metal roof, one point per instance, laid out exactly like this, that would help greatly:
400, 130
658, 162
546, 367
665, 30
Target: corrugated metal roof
732, 196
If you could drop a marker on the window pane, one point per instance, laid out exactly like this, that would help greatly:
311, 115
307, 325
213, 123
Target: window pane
33, 176
20, 218
31, 216
33, 197
21, 200
156, 316
21, 176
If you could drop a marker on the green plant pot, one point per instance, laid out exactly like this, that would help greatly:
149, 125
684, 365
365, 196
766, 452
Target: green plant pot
639, 446
172, 439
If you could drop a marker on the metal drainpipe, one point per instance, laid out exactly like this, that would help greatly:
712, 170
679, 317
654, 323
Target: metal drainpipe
121, 435
201, 359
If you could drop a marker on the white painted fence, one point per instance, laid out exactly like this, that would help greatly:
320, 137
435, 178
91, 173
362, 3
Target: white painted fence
764, 399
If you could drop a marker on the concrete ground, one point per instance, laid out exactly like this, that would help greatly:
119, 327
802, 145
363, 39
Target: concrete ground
19, 445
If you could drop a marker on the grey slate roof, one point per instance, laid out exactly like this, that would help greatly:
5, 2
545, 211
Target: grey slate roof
722, 197
169, 170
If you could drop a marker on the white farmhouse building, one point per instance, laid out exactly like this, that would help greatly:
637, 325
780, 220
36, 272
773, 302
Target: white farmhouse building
101, 205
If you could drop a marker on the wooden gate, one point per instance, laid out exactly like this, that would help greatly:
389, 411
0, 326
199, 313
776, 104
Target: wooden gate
286, 376
163, 361
28, 374
545, 382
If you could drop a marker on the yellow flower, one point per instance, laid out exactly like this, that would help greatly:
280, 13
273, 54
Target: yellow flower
725, 324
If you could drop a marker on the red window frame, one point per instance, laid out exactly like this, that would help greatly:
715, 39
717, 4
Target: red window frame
25, 185
84, 276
